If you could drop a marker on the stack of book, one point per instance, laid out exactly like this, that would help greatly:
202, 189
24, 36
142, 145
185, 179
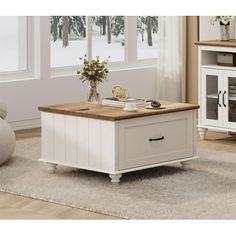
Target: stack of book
121, 102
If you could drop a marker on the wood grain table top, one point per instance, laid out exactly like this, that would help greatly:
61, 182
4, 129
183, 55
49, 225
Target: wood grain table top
102, 112
219, 43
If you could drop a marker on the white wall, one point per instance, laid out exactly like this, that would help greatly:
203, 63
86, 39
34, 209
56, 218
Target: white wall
207, 31
23, 97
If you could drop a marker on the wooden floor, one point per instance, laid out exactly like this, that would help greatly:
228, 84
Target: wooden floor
18, 207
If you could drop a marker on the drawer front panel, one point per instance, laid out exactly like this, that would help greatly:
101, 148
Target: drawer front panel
155, 139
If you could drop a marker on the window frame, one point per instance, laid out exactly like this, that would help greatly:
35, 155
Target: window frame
25, 51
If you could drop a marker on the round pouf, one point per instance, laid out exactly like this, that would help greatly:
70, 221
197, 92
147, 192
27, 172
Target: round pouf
7, 141
3, 111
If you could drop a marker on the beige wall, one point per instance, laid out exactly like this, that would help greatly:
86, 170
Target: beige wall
191, 59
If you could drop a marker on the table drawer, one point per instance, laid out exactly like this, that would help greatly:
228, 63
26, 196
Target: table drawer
156, 139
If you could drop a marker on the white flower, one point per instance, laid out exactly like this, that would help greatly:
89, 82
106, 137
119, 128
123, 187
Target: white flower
222, 19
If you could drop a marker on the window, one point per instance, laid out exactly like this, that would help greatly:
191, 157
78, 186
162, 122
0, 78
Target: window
125, 39
13, 44
147, 27
68, 56
108, 37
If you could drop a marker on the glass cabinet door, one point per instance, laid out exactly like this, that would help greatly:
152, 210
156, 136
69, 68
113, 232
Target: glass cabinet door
229, 101
211, 96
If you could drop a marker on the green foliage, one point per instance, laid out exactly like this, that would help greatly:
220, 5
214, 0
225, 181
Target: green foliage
77, 25
147, 24
221, 19
142, 24
117, 25
93, 70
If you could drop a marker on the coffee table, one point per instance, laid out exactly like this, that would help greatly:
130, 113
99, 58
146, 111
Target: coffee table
109, 140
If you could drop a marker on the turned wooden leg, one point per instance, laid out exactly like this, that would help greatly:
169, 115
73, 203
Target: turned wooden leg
185, 164
115, 178
51, 167
202, 133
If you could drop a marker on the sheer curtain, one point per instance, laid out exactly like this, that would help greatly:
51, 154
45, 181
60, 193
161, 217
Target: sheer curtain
170, 82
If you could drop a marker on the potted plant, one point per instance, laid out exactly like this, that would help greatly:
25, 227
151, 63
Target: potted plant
224, 26
93, 71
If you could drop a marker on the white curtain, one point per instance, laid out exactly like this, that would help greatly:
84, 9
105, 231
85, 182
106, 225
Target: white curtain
170, 80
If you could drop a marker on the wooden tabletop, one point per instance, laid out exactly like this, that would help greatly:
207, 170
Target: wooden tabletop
98, 111
219, 43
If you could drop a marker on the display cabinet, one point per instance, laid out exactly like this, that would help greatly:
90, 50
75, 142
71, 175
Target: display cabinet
216, 88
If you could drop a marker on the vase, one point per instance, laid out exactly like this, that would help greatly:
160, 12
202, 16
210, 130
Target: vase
93, 96
225, 32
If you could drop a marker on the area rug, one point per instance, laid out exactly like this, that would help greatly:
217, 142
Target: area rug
207, 190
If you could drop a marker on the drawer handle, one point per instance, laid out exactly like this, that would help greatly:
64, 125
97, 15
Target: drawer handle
224, 99
156, 139
218, 97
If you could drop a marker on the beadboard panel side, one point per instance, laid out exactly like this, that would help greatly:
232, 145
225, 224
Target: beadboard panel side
109, 145
71, 140
60, 137
94, 132
80, 142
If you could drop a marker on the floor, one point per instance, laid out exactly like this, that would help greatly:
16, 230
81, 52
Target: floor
18, 207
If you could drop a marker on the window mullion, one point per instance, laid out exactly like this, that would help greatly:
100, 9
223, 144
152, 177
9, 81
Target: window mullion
89, 36
131, 38
22, 43
30, 44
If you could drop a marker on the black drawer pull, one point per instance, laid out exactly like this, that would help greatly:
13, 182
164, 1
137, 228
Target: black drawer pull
224, 99
218, 96
156, 139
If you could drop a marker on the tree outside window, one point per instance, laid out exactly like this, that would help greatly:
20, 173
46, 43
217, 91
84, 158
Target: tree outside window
147, 28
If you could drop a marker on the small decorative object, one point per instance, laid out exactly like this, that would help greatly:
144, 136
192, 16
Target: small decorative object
224, 26
119, 92
130, 107
226, 59
155, 104
94, 71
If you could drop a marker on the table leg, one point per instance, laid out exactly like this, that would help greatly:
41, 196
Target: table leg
202, 133
115, 178
51, 167
186, 164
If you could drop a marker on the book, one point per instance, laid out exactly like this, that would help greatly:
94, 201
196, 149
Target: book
121, 102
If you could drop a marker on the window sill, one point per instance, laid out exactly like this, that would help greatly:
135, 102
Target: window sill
114, 67
16, 77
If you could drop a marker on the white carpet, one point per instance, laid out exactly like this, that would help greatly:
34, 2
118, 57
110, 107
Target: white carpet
205, 191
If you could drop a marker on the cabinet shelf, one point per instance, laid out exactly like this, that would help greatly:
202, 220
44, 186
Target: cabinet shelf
214, 66
214, 95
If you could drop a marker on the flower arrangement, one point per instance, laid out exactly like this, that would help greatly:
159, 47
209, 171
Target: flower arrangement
223, 20
94, 70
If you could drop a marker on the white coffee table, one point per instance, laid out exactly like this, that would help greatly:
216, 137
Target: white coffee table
110, 140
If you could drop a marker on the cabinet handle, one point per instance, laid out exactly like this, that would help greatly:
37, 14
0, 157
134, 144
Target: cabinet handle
224, 99
219, 98
156, 139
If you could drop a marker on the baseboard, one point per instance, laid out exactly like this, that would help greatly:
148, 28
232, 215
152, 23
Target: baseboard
25, 124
